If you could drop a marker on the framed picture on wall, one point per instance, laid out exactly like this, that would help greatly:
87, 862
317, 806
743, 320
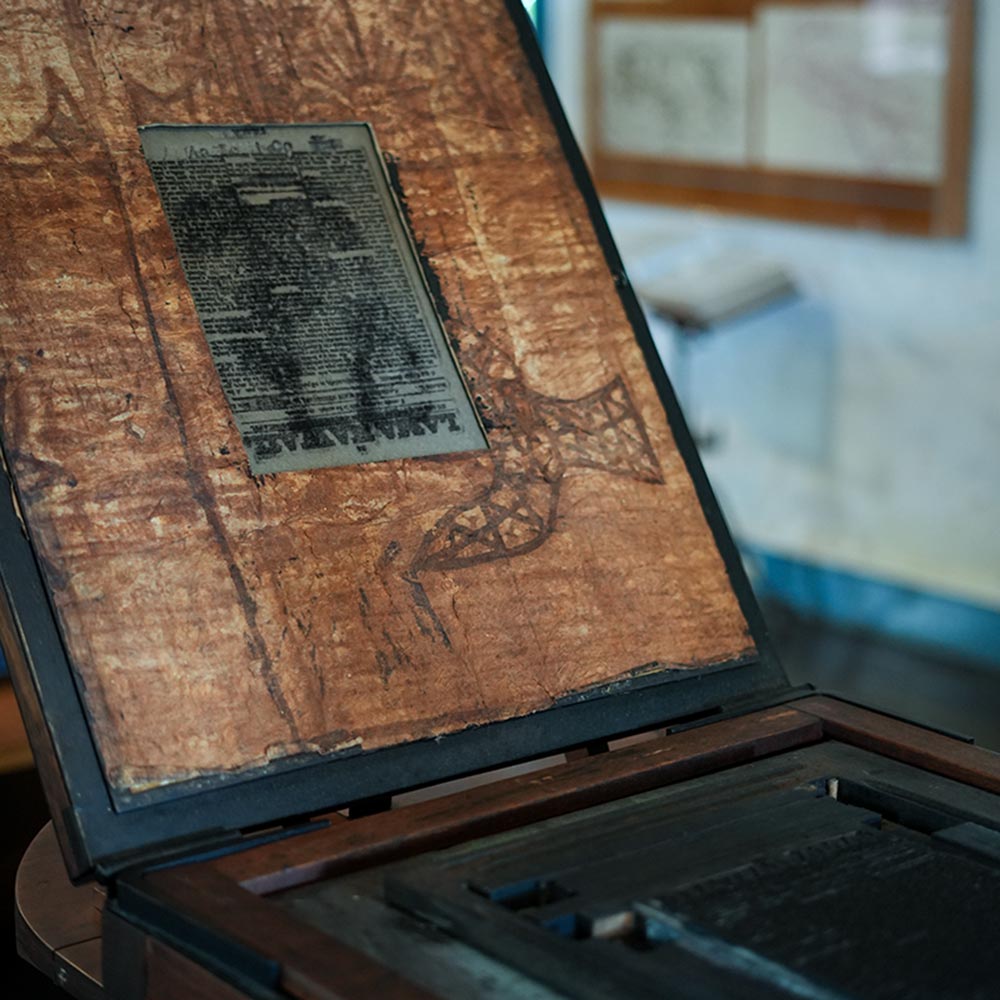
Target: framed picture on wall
854, 112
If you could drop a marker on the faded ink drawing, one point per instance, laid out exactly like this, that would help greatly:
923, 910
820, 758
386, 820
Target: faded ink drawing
855, 91
537, 440
674, 88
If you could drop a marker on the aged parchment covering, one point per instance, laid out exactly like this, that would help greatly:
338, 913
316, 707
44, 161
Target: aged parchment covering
218, 620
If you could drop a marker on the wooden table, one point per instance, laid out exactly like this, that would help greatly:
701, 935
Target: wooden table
58, 924
15, 754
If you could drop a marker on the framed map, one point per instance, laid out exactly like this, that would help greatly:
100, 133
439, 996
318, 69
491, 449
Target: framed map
853, 112
674, 88
855, 90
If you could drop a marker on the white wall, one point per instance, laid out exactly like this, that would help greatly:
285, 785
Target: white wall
860, 426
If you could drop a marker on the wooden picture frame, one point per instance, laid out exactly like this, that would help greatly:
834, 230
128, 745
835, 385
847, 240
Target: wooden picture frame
929, 202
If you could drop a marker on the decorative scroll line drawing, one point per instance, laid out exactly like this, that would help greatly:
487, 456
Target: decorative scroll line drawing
517, 512
536, 441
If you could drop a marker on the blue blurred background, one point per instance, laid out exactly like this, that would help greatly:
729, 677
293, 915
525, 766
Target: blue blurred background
851, 428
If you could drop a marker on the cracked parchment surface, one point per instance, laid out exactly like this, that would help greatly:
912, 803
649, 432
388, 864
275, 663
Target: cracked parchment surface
219, 621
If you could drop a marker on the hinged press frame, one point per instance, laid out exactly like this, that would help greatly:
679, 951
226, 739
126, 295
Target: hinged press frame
96, 832
217, 910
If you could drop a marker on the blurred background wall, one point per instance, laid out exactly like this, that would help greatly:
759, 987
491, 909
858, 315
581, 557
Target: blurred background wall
852, 432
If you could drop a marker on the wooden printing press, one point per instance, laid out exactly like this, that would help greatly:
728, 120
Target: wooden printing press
341, 474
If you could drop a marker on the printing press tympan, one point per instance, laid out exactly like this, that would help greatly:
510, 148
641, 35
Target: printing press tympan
342, 467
